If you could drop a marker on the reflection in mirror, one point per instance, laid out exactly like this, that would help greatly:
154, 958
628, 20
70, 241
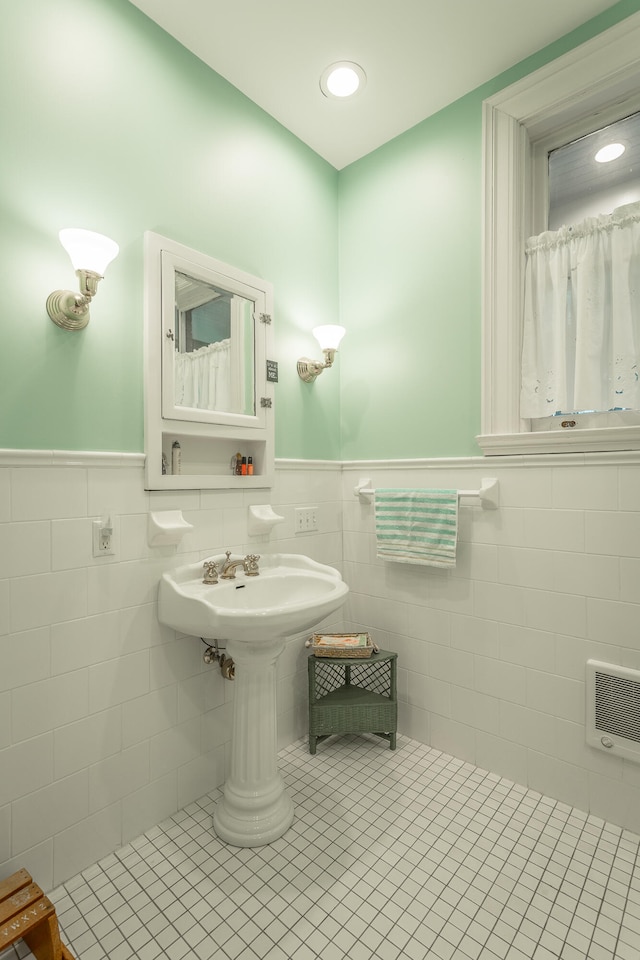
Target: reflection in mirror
214, 348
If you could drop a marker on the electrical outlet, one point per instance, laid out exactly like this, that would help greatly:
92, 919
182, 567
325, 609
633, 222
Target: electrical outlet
103, 538
306, 519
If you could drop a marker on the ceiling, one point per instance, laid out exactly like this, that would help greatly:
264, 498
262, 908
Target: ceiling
418, 55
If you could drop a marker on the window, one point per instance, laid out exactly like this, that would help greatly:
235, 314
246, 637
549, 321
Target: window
587, 88
582, 278
585, 183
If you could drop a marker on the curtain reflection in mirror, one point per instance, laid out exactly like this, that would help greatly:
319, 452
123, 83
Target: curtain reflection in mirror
213, 360
203, 377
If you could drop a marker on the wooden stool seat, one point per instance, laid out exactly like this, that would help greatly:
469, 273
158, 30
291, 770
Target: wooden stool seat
26, 914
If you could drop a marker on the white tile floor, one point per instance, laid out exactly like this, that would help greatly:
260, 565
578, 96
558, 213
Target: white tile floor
393, 854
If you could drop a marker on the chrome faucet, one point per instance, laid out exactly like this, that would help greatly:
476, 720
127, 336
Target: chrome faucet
248, 563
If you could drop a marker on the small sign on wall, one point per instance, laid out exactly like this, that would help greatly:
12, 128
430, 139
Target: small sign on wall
272, 371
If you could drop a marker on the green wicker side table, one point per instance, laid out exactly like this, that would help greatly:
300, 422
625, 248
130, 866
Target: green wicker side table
353, 695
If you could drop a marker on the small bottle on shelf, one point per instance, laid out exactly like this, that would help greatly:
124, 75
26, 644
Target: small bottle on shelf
243, 467
175, 457
238, 465
249, 466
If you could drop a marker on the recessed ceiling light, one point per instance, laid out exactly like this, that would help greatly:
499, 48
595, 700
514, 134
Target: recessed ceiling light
342, 79
611, 152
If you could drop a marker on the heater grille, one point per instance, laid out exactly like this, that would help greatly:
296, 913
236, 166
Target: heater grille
613, 709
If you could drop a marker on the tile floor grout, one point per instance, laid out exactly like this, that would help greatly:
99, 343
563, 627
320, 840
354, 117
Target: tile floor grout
393, 854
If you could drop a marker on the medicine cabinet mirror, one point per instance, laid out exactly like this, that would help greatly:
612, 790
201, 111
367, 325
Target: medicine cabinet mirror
207, 339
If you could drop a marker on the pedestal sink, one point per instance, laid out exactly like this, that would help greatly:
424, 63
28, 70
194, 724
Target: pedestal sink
252, 616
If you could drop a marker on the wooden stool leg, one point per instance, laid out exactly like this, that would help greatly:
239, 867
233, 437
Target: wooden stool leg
44, 940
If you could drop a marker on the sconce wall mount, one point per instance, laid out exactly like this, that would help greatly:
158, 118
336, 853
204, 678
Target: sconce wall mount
91, 253
329, 337
308, 370
71, 310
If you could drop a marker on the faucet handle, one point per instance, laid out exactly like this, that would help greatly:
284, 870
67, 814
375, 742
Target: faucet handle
211, 571
251, 568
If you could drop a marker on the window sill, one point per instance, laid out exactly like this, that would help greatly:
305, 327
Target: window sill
576, 440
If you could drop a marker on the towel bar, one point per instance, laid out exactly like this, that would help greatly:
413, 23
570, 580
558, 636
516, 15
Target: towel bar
488, 495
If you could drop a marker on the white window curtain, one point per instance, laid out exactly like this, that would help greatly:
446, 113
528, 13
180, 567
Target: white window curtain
581, 337
203, 378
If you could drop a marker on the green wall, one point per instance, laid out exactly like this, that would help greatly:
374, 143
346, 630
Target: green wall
410, 292
110, 124
410, 279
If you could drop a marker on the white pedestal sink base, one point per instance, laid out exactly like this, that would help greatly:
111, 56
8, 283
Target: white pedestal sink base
256, 808
253, 820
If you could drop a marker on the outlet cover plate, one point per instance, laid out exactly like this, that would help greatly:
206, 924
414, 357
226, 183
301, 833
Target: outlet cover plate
103, 545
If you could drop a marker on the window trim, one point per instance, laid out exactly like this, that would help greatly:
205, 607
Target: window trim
584, 83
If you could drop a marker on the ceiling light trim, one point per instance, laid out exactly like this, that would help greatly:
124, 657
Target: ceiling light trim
351, 72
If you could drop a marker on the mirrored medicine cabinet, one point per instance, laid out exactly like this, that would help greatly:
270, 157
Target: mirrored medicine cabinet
208, 334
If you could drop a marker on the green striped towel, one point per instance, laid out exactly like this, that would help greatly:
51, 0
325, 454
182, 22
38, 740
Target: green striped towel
417, 526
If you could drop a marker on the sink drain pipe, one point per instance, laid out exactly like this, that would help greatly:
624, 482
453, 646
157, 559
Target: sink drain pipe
213, 654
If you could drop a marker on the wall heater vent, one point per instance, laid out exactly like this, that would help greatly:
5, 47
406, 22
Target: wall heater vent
613, 709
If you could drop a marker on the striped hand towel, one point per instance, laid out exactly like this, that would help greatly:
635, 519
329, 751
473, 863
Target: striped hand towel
417, 526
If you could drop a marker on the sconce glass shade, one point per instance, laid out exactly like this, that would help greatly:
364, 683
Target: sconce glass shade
88, 251
329, 335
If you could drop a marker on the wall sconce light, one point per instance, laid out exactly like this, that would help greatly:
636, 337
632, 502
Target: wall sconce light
91, 254
329, 337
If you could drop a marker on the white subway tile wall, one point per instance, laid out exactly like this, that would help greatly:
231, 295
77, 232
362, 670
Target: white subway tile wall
109, 722
492, 654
